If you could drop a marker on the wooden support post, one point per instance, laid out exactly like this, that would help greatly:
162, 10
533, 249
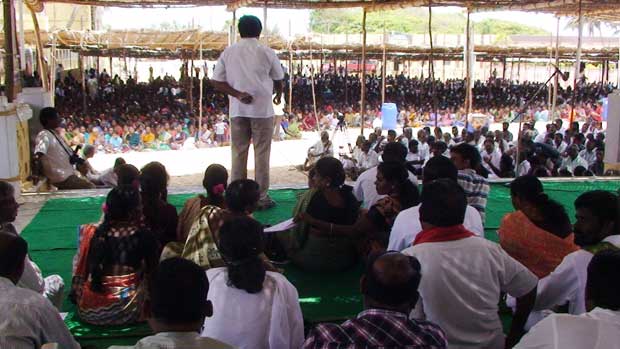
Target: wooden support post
577, 65
111, 76
9, 48
83, 76
468, 63
383, 70
363, 77
556, 82
346, 77
291, 75
42, 68
200, 94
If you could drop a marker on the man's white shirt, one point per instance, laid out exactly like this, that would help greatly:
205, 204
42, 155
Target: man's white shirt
365, 189
407, 226
249, 66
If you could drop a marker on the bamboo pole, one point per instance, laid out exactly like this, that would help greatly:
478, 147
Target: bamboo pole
554, 102
22, 55
200, 94
383, 70
83, 75
9, 48
37, 36
53, 65
346, 77
312, 71
577, 64
363, 77
431, 61
290, 79
468, 91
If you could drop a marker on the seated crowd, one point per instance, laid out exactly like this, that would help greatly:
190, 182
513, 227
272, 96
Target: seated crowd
209, 276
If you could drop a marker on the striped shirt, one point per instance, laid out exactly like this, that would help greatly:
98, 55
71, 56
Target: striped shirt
377, 328
476, 189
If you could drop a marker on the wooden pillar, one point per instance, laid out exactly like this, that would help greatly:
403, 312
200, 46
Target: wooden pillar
83, 75
577, 63
42, 68
431, 62
200, 94
554, 101
468, 72
363, 77
290, 80
504, 68
9, 48
346, 78
383, 70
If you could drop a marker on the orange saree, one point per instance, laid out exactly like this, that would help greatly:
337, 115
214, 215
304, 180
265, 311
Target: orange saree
539, 250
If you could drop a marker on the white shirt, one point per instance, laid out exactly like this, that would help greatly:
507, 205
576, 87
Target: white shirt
249, 66
496, 157
365, 189
55, 160
32, 278
29, 320
571, 164
598, 329
560, 148
523, 168
174, 340
567, 283
368, 160
268, 319
424, 151
407, 226
461, 285
588, 156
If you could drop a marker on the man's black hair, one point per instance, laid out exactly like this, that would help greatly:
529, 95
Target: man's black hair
241, 194
468, 152
13, 250
178, 291
439, 167
443, 203
395, 152
395, 285
249, 26
46, 114
603, 204
603, 285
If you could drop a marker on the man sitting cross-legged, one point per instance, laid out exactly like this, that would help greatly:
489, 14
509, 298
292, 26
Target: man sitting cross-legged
390, 290
464, 275
178, 307
597, 329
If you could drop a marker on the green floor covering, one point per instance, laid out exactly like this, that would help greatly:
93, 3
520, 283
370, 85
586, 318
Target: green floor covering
323, 297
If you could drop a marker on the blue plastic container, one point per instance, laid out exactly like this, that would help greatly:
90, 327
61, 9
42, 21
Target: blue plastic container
389, 115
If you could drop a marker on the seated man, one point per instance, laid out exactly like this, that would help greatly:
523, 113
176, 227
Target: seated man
365, 189
178, 307
596, 329
572, 160
407, 224
28, 319
596, 229
467, 159
52, 155
319, 150
464, 275
52, 287
390, 291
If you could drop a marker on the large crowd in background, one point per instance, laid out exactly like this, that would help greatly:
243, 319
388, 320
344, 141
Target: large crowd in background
117, 116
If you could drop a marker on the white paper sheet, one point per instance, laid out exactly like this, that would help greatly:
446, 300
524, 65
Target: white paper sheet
282, 226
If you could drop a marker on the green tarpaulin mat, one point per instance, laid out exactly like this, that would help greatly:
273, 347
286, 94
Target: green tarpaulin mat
52, 239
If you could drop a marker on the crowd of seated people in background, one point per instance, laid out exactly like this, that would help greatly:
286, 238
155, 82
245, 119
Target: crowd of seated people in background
123, 116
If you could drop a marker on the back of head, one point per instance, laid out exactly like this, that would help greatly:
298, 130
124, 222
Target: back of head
241, 245
603, 285
439, 167
391, 280
443, 203
249, 26
468, 152
178, 292
46, 114
329, 167
394, 151
6, 191
242, 195
526, 188
397, 174
127, 175
215, 180
122, 203
13, 250
154, 179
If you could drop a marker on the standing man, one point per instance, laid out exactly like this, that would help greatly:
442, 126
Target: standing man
249, 72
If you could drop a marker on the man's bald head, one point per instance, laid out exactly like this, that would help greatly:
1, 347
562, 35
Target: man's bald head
391, 280
13, 250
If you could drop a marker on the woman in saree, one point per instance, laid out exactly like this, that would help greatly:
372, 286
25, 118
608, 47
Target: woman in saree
114, 261
331, 201
373, 226
539, 233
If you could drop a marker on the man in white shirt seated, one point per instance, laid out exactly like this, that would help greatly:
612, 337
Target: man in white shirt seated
573, 160
491, 158
589, 154
322, 148
52, 155
365, 189
596, 229
597, 329
407, 224
558, 143
463, 275
52, 287
177, 307
29, 320
368, 158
